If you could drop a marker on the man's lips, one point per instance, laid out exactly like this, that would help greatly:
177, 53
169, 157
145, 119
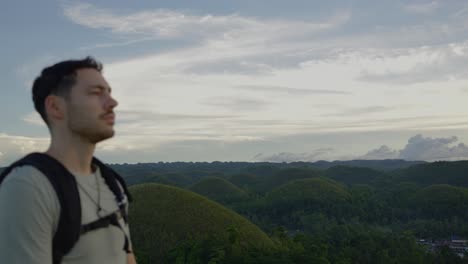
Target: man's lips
109, 117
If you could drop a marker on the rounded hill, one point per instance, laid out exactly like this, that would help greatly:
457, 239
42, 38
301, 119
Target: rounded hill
353, 175
218, 189
440, 172
163, 217
319, 191
284, 176
175, 179
243, 180
442, 201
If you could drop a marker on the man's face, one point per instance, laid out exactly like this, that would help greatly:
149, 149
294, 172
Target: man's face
90, 107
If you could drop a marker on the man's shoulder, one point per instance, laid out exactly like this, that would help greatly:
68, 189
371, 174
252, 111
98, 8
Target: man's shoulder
28, 179
26, 174
26, 187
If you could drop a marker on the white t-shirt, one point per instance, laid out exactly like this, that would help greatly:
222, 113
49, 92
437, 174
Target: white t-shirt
29, 216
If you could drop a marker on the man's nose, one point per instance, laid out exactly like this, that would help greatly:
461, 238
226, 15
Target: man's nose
112, 103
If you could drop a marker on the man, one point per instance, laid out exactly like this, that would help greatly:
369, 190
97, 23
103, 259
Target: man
75, 101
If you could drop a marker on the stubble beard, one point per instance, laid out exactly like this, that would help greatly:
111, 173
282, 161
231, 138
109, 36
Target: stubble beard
90, 135
88, 131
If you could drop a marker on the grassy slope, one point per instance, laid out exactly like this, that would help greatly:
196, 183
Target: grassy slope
314, 189
218, 189
162, 216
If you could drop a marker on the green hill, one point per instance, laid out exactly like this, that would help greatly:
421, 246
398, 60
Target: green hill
284, 176
218, 189
174, 179
441, 172
164, 217
353, 175
384, 165
314, 191
243, 180
442, 201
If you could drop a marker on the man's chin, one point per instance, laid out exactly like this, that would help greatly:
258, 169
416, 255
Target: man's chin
102, 136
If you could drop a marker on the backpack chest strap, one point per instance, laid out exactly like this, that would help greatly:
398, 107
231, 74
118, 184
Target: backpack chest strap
111, 219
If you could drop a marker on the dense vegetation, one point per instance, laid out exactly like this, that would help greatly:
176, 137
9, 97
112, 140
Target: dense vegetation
218, 189
164, 218
340, 212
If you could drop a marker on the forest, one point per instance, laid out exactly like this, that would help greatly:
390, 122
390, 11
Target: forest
323, 212
362, 211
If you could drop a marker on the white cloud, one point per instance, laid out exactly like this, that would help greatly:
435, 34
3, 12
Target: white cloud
289, 90
422, 8
237, 104
318, 154
418, 147
423, 148
34, 118
168, 24
384, 152
29, 71
219, 43
426, 148
249, 78
14, 147
416, 65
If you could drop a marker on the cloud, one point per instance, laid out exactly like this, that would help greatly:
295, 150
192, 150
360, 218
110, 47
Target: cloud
207, 149
236, 104
424, 8
415, 65
423, 148
384, 152
134, 147
364, 110
426, 148
230, 66
235, 77
289, 90
117, 44
234, 44
14, 147
34, 118
170, 127
214, 43
318, 154
167, 24
30, 70
418, 147
129, 116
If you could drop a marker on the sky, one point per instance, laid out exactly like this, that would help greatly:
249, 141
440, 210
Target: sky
264, 80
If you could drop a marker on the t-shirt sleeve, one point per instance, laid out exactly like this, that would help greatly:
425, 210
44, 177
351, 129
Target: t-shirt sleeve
29, 212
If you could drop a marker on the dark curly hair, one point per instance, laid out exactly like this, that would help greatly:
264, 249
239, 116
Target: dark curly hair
57, 80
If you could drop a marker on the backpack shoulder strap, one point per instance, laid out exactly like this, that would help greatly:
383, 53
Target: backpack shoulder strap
64, 184
113, 179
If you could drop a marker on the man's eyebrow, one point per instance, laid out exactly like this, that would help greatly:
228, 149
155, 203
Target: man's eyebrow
101, 87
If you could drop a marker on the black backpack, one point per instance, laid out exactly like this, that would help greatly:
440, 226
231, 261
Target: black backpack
69, 227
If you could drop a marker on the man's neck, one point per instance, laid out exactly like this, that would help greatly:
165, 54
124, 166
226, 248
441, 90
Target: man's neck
75, 156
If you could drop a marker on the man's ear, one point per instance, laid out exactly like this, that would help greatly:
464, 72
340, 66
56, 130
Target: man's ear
55, 107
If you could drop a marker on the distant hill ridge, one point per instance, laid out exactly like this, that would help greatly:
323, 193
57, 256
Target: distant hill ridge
218, 189
233, 167
229, 167
440, 172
